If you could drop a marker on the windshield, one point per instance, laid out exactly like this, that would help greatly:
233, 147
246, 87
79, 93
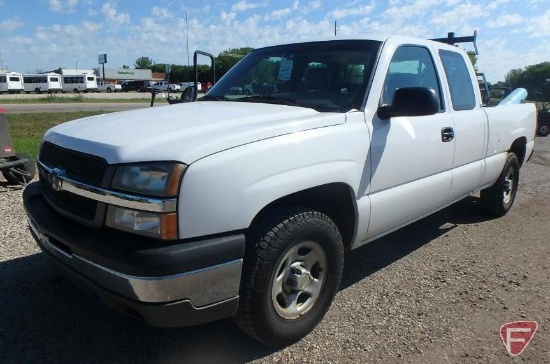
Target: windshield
327, 76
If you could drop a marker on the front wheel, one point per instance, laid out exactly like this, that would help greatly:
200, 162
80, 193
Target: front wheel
499, 198
290, 276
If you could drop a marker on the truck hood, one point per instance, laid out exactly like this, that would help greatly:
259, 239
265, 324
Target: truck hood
184, 132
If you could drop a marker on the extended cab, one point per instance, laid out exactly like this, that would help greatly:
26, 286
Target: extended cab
243, 204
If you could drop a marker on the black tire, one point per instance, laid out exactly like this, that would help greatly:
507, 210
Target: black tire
109, 90
22, 174
543, 130
296, 247
37, 90
499, 198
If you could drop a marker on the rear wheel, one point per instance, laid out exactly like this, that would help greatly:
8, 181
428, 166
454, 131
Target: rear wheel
76, 90
544, 130
21, 174
290, 276
37, 90
499, 198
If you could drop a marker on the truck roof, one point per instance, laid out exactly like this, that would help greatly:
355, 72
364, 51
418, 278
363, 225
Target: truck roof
439, 43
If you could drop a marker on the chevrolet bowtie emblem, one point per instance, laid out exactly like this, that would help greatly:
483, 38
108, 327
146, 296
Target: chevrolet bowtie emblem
57, 178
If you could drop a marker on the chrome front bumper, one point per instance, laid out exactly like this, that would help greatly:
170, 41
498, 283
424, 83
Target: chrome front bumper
184, 283
202, 287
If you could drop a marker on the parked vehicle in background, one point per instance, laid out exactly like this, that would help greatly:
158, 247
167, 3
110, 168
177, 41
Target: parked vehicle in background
135, 85
164, 86
108, 87
17, 168
80, 83
184, 85
543, 119
42, 82
11, 82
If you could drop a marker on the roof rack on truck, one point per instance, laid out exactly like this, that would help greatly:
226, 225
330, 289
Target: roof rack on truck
482, 81
452, 40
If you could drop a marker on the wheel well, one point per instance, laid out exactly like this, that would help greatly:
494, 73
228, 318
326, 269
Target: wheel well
336, 200
518, 148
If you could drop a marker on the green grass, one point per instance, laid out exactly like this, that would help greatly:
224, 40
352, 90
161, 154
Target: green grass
26, 130
72, 99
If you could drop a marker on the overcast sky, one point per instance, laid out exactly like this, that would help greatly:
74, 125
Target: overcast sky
48, 34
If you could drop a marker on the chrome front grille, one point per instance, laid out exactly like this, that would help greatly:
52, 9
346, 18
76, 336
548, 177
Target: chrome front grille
78, 166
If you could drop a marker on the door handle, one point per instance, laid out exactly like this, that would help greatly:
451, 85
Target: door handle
447, 134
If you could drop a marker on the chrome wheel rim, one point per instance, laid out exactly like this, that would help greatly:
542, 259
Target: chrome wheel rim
299, 280
508, 186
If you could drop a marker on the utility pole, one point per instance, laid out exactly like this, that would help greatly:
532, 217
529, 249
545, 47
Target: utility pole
187, 35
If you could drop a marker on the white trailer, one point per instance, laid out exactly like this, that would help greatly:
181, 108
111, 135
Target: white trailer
80, 83
11, 82
45, 82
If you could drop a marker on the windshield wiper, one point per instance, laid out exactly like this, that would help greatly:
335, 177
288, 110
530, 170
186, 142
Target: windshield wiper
270, 99
212, 98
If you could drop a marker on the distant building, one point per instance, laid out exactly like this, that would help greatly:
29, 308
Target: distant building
73, 71
118, 74
158, 76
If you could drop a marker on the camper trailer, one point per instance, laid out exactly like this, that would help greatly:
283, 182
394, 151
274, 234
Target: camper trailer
11, 82
80, 83
45, 82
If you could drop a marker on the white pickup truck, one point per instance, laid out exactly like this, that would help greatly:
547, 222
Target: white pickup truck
242, 205
108, 87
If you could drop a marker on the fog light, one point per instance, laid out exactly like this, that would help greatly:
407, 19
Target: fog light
160, 226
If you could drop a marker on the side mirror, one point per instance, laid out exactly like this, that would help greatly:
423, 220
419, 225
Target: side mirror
411, 101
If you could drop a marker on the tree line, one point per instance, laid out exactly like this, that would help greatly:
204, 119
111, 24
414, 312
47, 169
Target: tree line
179, 73
535, 79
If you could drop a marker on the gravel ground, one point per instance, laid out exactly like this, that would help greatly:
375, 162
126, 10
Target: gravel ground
437, 291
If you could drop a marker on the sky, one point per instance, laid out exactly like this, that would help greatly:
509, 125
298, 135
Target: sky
42, 35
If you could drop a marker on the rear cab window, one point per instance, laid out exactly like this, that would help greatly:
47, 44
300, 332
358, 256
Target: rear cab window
459, 80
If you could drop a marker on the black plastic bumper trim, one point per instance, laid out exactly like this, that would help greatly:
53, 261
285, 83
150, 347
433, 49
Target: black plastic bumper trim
129, 253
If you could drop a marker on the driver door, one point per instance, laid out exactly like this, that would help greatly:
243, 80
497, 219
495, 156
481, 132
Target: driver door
411, 157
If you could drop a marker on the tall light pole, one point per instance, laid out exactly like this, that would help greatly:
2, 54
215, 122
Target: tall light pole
187, 35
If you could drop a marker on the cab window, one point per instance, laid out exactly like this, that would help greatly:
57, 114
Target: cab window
459, 80
411, 66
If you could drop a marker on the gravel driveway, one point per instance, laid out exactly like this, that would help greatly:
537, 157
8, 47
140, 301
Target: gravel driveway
437, 291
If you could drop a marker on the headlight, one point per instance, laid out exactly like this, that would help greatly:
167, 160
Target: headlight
161, 179
154, 179
156, 225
